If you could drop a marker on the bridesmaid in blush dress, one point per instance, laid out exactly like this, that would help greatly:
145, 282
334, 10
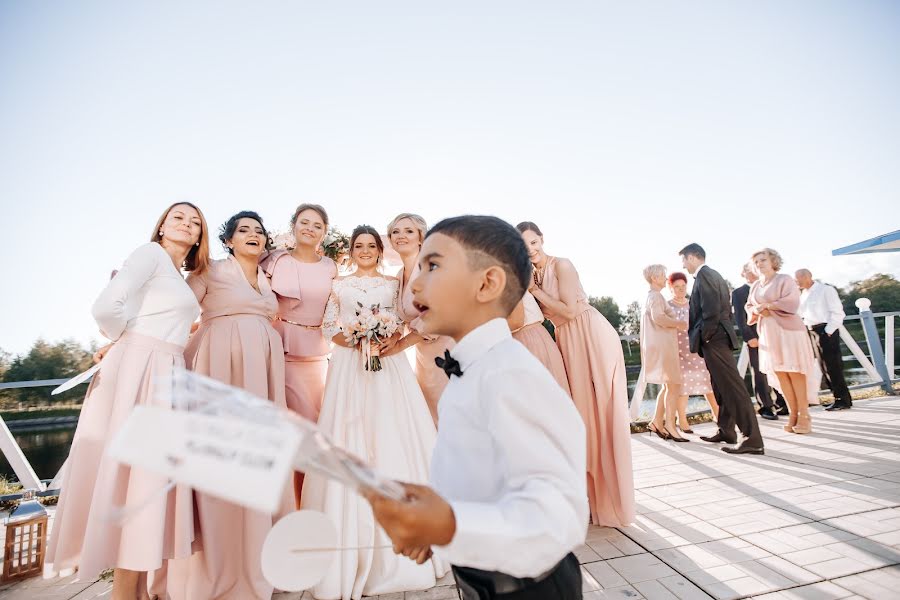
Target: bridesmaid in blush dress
592, 353
301, 280
147, 310
406, 233
237, 345
527, 325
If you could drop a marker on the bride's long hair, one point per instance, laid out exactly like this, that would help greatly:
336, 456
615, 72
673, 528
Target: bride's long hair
362, 230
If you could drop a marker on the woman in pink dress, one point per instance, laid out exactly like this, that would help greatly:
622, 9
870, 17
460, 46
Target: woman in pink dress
147, 310
694, 376
237, 345
527, 325
659, 352
406, 233
301, 280
785, 350
592, 353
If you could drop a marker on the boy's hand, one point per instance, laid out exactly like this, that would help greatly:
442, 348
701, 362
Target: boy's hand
423, 520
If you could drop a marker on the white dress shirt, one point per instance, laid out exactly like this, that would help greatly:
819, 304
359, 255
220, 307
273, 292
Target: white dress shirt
148, 296
821, 304
510, 459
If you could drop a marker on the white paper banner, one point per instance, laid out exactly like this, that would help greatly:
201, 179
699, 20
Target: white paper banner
237, 460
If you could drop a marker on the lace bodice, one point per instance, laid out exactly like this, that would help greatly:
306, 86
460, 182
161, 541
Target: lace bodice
347, 292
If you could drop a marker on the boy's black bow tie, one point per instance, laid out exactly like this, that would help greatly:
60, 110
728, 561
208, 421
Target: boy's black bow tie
448, 364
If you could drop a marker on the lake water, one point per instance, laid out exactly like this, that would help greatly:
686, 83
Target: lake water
47, 450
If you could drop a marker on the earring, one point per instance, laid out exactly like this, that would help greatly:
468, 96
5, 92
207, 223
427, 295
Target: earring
160, 233
197, 244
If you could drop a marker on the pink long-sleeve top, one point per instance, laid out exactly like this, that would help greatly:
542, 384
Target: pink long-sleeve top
782, 293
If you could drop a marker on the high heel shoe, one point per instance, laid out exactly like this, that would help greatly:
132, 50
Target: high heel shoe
663, 434
676, 438
792, 422
688, 430
804, 424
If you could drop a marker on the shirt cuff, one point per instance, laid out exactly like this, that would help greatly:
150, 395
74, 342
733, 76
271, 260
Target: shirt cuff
473, 521
829, 329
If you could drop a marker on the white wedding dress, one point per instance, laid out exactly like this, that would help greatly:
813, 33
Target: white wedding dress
381, 417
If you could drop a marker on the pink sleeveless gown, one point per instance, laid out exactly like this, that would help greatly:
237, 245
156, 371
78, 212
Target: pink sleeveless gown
537, 339
592, 353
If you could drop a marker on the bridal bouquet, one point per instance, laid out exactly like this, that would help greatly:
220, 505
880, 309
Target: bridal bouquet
336, 245
371, 327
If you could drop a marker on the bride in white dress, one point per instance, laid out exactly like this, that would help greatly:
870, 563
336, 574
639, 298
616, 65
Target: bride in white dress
381, 416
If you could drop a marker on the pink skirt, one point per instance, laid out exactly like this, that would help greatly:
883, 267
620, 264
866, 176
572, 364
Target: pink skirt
95, 486
538, 341
784, 350
246, 352
592, 353
432, 379
304, 380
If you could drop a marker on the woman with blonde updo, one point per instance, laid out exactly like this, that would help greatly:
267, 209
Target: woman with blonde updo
406, 232
784, 347
659, 352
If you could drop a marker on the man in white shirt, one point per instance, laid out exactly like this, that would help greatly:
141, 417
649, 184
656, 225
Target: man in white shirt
508, 503
823, 314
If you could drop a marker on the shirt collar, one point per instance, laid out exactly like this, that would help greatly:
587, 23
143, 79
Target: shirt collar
479, 341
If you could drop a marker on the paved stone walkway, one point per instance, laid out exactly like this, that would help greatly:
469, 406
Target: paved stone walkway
818, 517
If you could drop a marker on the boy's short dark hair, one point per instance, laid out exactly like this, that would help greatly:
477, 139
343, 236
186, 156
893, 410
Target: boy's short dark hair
490, 241
693, 250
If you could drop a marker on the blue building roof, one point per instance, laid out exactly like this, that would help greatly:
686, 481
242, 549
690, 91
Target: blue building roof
889, 242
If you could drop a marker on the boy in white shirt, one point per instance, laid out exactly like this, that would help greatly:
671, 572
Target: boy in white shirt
508, 503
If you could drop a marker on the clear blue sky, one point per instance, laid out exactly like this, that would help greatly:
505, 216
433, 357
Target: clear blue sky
625, 129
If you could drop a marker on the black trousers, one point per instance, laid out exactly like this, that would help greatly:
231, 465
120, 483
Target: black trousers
563, 583
761, 383
735, 407
829, 350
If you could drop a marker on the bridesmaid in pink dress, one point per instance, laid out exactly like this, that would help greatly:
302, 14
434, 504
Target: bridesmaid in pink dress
406, 233
301, 280
785, 350
237, 345
527, 325
592, 353
147, 310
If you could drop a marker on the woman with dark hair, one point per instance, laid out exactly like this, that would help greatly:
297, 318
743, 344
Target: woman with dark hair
694, 376
301, 279
379, 415
147, 310
237, 345
595, 365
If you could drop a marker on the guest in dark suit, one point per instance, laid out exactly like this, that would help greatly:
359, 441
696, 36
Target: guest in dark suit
711, 331
767, 410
